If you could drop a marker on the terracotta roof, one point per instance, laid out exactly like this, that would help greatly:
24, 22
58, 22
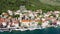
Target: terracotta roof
30, 20
2, 20
26, 20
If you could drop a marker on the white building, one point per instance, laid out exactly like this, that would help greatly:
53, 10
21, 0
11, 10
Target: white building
45, 24
10, 12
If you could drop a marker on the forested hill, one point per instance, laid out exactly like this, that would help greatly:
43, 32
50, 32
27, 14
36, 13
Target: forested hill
30, 4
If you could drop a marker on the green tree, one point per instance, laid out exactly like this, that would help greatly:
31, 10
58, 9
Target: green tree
40, 23
16, 16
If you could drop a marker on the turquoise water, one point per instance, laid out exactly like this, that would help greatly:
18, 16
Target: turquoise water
42, 31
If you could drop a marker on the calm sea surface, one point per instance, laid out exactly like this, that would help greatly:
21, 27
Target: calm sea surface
51, 30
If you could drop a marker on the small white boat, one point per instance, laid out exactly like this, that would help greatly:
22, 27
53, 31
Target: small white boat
31, 29
21, 29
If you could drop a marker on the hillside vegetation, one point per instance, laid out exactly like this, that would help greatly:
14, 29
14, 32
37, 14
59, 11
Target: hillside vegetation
30, 5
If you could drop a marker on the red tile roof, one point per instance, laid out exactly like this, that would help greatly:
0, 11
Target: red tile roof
2, 20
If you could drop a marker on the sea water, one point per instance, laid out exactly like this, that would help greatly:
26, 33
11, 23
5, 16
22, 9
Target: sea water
50, 30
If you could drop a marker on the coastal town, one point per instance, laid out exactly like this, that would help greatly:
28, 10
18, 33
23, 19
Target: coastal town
24, 19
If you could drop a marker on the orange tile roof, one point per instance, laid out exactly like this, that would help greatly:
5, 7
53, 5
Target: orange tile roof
30, 20
2, 20
26, 20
